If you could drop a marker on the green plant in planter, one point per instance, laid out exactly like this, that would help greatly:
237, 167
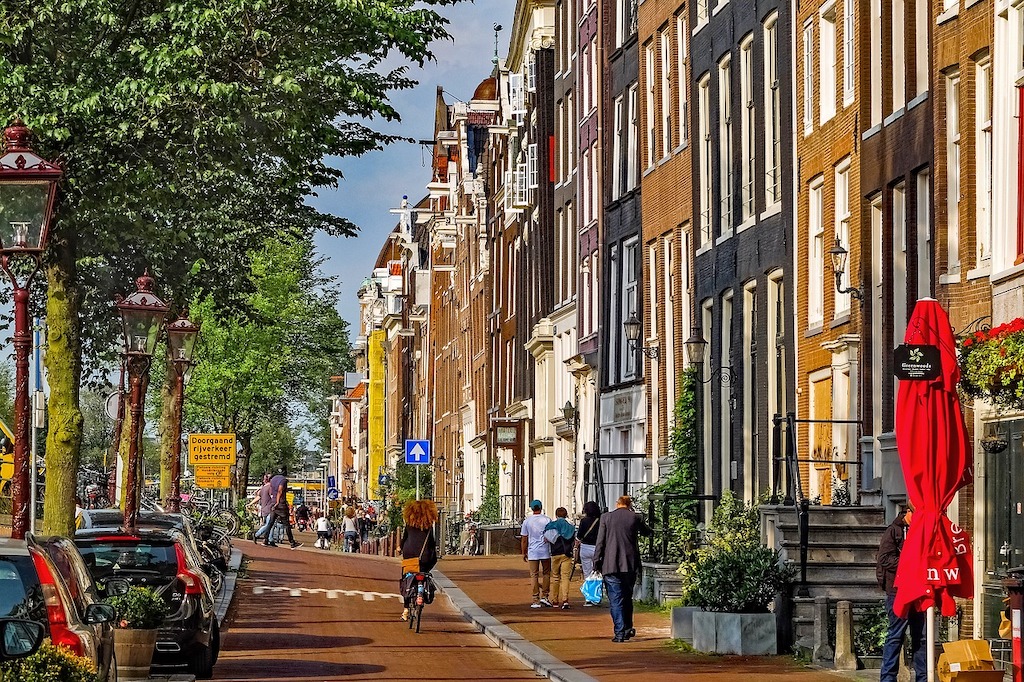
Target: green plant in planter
138, 609
49, 664
734, 573
992, 364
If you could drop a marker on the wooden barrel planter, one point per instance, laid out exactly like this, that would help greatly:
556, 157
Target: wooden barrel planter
133, 650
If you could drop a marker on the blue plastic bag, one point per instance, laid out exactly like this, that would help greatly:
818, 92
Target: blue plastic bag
593, 588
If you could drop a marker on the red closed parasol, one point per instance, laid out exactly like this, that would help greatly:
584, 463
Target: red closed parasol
935, 564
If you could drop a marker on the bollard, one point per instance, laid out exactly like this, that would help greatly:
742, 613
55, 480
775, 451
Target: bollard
844, 658
822, 649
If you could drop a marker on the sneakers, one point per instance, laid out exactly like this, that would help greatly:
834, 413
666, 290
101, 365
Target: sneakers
565, 605
589, 603
629, 634
405, 614
270, 544
545, 602
536, 605
295, 544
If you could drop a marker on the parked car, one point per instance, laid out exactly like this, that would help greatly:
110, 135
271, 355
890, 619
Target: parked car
46, 580
161, 560
205, 542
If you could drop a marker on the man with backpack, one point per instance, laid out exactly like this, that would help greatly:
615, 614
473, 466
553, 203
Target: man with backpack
561, 536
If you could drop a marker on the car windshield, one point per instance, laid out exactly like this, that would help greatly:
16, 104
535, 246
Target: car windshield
20, 593
106, 557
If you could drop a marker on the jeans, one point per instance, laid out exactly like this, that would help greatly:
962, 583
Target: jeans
619, 587
894, 642
587, 559
350, 540
264, 531
540, 578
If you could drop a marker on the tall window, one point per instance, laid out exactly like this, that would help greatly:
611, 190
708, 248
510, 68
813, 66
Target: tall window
776, 364
617, 148
921, 53
827, 63
704, 133
924, 235
899, 260
585, 189
630, 299
899, 55
702, 12
953, 171
725, 142
750, 382
876, 62
632, 154
724, 402
848, 52
585, 85
649, 114
816, 255
983, 174
747, 127
772, 114
842, 301
666, 92
808, 77
681, 74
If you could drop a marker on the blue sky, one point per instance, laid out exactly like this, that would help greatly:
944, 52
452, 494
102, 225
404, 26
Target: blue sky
375, 182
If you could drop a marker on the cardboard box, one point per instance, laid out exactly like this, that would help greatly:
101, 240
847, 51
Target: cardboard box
968, 660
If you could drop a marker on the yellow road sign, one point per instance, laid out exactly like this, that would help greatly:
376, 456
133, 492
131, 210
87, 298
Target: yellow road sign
214, 482
211, 471
211, 449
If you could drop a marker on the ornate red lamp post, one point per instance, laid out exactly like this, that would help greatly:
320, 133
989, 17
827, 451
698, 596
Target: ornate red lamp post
142, 320
181, 342
28, 189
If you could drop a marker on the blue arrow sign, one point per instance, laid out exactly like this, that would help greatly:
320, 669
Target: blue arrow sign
332, 493
417, 452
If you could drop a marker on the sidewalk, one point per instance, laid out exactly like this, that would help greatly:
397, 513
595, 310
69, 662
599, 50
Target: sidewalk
580, 637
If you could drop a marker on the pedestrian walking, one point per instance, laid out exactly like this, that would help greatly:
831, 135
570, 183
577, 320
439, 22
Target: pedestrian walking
323, 532
617, 556
888, 559
351, 529
586, 537
561, 537
418, 543
265, 502
537, 553
282, 511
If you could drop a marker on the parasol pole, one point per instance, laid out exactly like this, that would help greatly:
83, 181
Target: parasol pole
930, 643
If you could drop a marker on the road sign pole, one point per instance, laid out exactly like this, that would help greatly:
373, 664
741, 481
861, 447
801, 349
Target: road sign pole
417, 481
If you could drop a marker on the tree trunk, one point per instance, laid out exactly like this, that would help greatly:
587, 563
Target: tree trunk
63, 374
169, 426
242, 465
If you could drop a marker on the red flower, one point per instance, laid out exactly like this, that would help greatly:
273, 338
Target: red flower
968, 341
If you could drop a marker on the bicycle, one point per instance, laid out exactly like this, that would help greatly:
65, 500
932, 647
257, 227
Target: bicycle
423, 586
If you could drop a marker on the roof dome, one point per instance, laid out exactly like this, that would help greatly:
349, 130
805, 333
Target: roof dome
487, 90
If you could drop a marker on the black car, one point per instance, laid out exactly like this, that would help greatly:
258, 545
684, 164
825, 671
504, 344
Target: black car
211, 546
45, 580
161, 560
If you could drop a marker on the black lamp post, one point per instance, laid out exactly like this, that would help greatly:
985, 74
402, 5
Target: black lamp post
142, 319
28, 190
181, 344
839, 257
632, 328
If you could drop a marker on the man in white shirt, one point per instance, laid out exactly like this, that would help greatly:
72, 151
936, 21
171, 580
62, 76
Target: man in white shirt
538, 554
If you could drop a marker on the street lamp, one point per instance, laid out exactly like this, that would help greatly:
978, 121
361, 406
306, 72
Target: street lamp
632, 328
28, 190
839, 256
181, 344
142, 318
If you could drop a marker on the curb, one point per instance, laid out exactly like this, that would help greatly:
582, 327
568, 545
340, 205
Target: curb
230, 578
506, 638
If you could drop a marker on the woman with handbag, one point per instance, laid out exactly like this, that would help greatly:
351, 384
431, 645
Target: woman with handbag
586, 537
419, 547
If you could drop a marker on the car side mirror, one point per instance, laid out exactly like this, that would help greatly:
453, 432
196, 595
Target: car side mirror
19, 638
100, 613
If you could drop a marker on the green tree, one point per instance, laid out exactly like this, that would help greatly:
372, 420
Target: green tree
185, 128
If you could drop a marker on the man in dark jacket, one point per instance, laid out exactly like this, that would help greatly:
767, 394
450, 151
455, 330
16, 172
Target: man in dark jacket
885, 572
617, 557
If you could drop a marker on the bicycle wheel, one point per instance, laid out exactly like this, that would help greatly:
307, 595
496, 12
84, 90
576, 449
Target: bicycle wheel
230, 521
412, 616
419, 617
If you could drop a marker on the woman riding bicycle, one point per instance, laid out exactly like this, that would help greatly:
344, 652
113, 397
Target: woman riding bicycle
418, 540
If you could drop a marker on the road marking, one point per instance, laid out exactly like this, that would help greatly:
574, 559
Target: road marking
331, 594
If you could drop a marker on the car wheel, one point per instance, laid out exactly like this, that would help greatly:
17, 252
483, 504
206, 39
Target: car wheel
202, 662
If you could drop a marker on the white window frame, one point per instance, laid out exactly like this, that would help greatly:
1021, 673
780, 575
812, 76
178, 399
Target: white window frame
618, 123
702, 14
649, 105
530, 67
665, 45
876, 62
532, 175
842, 230
898, 53
921, 53
816, 253
983, 173
704, 179
522, 196
953, 172
849, 50
630, 301
827, 63
772, 113
632, 132
748, 170
681, 80
516, 96
924, 234
808, 80
725, 143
